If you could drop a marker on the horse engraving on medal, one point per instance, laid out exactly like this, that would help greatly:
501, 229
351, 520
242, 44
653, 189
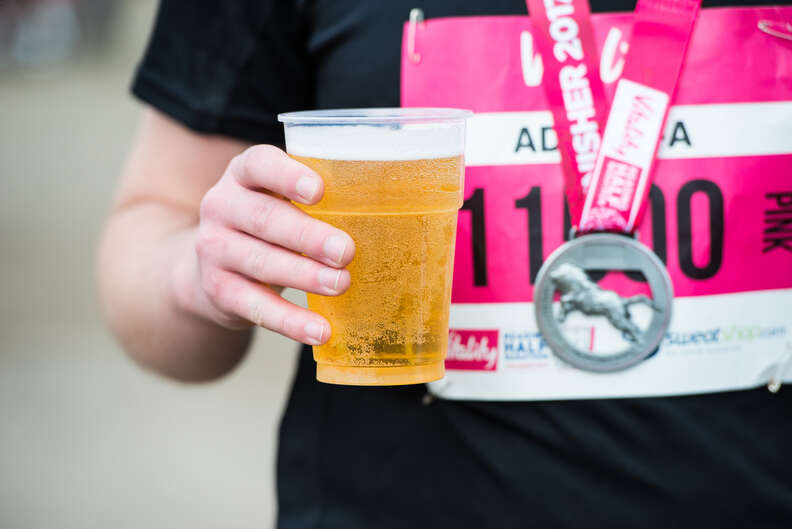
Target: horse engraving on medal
564, 272
580, 293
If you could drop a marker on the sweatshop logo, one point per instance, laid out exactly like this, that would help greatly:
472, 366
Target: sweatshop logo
723, 335
475, 350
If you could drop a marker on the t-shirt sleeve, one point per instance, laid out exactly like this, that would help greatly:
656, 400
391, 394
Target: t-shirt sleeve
227, 67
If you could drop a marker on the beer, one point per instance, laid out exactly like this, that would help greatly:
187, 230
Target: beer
395, 312
400, 207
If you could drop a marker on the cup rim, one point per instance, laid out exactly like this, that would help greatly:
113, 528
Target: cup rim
374, 116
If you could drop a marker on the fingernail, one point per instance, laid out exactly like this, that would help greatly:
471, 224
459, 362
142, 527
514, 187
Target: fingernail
306, 187
314, 331
329, 278
334, 248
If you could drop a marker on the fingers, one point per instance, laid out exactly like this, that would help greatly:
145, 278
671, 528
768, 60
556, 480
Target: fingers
233, 294
264, 167
280, 223
249, 238
267, 263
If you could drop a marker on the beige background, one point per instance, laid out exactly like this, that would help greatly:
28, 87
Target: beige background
88, 440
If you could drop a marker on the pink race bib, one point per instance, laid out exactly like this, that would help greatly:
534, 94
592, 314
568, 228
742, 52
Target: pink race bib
720, 208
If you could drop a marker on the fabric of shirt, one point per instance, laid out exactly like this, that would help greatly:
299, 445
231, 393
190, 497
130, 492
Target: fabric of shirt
394, 457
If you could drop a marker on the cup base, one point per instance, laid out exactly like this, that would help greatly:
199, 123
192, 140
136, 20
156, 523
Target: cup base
379, 376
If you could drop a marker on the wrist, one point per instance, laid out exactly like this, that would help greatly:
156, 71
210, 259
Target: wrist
186, 293
184, 283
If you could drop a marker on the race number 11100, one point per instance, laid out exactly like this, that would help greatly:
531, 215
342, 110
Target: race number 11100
534, 231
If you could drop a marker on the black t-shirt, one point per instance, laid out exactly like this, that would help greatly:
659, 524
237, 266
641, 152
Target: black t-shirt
354, 458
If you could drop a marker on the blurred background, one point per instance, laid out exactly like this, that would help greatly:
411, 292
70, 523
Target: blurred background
87, 439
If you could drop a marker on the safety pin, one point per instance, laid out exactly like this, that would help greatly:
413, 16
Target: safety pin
416, 17
781, 30
774, 385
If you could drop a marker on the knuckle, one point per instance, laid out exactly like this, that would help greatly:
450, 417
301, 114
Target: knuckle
215, 285
258, 313
259, 159
308, 272
211, 204
283, 324
208, 245
262, 216
257, 262
229, 321
266, 151
305, 232
244, 165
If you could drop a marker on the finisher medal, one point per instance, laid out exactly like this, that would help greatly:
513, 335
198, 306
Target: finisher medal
565, 272
607, 176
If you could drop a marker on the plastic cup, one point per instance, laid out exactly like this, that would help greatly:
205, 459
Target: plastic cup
393, 181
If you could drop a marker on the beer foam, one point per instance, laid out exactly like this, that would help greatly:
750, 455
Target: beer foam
414, 141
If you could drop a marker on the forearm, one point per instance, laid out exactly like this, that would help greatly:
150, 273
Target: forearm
147, 249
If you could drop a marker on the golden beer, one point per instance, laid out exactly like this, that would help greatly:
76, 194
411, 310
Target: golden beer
391, 326
393, 181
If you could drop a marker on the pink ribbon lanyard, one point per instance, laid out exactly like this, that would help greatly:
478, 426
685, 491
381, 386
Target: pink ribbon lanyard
574, 90
608, 173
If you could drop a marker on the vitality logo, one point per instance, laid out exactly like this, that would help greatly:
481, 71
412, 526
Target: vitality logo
475, 350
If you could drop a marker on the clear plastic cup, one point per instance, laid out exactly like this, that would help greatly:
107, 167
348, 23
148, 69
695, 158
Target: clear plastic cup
393, 181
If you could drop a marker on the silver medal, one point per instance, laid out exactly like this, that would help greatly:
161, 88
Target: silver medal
565, 271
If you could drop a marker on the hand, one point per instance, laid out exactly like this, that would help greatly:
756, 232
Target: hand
249, 242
